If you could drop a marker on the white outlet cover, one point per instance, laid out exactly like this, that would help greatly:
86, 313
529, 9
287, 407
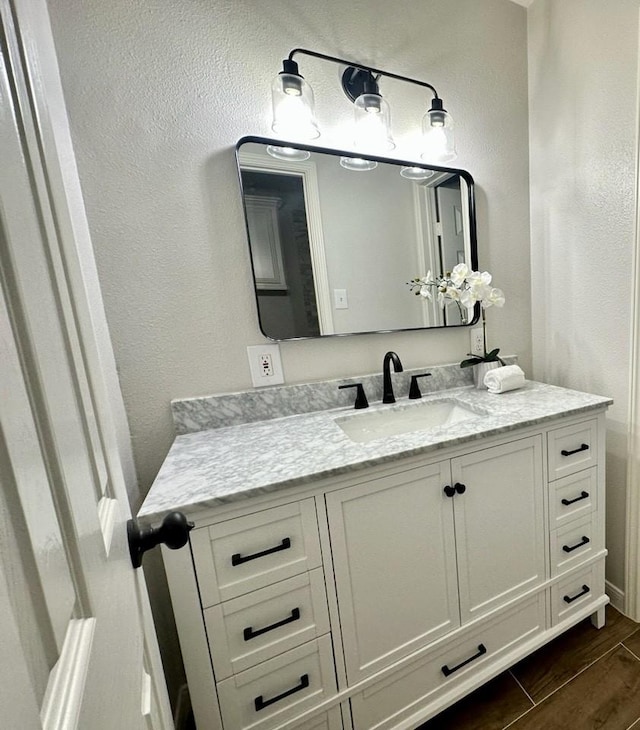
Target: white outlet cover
258, 378
476, 341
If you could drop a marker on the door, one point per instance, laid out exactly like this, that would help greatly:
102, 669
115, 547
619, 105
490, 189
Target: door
452, 244
72, 609
393, 550
499, 523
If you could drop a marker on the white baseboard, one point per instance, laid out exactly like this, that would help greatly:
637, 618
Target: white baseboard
183, 706
616, 596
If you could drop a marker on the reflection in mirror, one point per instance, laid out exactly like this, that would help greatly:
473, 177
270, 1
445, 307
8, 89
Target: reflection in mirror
333, 246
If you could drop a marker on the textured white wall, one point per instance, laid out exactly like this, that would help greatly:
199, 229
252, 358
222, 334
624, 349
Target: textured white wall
158, 93
583, 60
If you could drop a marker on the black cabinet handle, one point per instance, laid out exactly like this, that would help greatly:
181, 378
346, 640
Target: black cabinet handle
583, 592
457, 488
583, 495
250, 633
260, 703
582, 447
447, 671
582, 542
237, 559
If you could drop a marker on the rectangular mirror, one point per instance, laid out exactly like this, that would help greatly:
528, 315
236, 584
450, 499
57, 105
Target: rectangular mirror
334, 240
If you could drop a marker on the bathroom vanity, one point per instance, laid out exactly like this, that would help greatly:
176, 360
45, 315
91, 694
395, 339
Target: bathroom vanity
340, 578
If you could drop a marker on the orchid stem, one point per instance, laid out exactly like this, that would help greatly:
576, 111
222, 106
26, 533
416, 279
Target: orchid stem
484, 331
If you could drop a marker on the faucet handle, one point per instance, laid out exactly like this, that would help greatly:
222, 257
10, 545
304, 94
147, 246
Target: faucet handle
414, 390
361, 398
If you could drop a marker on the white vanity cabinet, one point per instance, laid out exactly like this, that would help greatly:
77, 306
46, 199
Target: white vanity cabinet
374, 599
423, 551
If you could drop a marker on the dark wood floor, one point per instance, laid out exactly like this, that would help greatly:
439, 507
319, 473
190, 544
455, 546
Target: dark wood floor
583, 680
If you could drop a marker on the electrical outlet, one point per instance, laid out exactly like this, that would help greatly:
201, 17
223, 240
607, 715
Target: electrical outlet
477, 341
340, 299
265, 365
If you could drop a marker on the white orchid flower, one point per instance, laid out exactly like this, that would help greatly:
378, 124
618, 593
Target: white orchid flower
495, 298
462, 287
425, 292
459, 274
452, 293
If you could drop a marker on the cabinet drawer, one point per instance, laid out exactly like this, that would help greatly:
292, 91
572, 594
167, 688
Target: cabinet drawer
279, 689
572, 448
385, 704
255, 627
573, 497
254, 551
571, 594
574, 543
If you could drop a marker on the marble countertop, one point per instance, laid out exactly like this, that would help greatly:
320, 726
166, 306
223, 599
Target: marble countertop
218, 466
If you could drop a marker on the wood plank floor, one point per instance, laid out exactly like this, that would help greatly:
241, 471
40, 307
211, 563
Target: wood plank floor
583, 680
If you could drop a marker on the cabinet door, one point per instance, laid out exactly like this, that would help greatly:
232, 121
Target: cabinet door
499, 521
394, 560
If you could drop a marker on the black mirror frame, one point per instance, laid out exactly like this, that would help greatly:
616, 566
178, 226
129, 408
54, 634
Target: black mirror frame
388, 160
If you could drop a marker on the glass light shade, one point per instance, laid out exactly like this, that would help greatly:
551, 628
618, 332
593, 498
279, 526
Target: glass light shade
358, 164
416, 173
288, 153
438, 143
293, 112
372, 124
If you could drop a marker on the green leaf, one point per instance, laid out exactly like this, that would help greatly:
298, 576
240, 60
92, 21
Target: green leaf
477, 359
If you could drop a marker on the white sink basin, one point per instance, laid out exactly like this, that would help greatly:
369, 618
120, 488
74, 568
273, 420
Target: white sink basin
363, 427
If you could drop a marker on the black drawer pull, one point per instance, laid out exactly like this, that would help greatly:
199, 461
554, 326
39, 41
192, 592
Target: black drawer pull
582, 542
250, 633
582, 447
260, 704
482, 649
460, 488
583, 495
449, 490
237, 559
583, 592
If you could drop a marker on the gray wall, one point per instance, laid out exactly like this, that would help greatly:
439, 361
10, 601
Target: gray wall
583, 83
158, 93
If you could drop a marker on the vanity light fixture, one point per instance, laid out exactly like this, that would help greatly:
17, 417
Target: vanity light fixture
294, 116
359, 164
416, 173
288, 153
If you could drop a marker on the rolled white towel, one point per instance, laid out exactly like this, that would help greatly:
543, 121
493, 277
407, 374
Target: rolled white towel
500, 380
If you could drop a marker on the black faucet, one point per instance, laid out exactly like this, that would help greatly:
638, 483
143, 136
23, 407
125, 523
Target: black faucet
387, 387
